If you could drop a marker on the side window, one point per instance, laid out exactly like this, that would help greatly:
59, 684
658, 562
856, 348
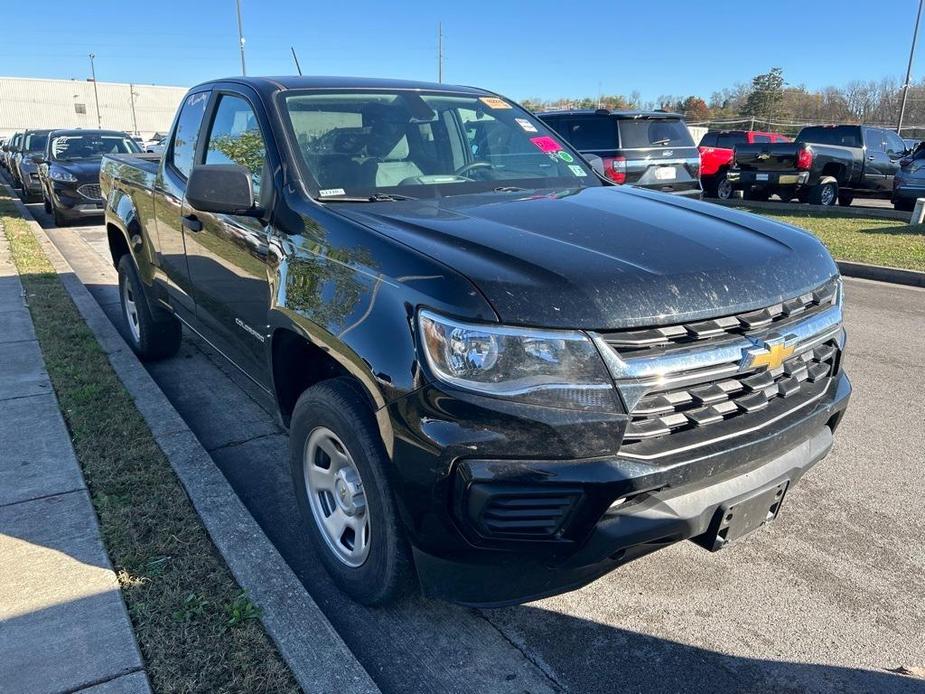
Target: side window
183, 147
761, 138
708, 140
874, 140
235, 138
894, 142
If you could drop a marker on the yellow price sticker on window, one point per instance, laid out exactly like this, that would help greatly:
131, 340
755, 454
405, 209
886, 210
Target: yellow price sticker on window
494, 102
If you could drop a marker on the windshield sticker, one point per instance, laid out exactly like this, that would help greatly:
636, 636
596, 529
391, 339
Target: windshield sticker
494, 102
577, 170
330, 192
525, 124
565, 156
546, 144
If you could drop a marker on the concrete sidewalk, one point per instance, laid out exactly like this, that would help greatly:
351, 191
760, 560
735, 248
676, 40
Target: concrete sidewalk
63, 625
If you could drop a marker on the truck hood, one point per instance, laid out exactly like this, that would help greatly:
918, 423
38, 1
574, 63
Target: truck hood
606, 257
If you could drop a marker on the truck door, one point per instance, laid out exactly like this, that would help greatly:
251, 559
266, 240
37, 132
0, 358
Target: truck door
878, 176
169, 191
895, 151
227, 254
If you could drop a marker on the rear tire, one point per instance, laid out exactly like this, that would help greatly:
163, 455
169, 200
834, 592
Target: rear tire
336, 412
148, 337
824, 193
46, 205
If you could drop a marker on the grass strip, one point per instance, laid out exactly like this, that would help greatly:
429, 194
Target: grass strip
196, 629
863, 239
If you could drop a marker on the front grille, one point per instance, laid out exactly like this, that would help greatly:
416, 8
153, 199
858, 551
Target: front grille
662, 413
686, 384
91, 191
739, 324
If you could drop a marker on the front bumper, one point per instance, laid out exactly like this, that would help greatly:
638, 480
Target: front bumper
72, 204
460, 558
747, 180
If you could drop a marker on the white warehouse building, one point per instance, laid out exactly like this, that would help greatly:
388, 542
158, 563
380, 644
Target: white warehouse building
142, 109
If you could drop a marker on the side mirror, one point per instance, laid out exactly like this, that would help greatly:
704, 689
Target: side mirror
222, 189
38, 158
595, 162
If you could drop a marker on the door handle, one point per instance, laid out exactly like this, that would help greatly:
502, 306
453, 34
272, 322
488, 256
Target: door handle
191, 222
871, 157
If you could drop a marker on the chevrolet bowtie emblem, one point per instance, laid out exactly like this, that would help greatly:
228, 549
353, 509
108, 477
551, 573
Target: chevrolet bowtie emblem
770, 353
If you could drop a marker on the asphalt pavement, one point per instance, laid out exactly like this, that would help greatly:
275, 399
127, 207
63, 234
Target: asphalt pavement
830, 597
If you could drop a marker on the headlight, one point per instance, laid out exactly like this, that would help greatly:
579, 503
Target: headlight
553, 368
56, 174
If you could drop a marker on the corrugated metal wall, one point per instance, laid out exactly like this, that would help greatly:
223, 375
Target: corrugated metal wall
40, 103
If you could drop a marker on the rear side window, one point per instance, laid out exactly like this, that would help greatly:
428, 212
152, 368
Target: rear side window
730, 140
183, 147
842, 135
235, 138
655, 132
593, 132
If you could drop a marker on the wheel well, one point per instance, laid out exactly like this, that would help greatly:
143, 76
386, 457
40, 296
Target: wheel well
834, 170
118, 246
298, 365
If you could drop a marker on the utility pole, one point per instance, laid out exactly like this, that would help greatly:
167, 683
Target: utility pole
96, 93
296, 59
240, 36
131, 91
902, 106
440, 52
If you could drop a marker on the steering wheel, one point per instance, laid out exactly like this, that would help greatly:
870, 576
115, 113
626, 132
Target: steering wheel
472, 165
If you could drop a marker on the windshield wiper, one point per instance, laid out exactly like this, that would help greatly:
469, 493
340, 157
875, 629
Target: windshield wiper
509, 189
663, 141
375, 197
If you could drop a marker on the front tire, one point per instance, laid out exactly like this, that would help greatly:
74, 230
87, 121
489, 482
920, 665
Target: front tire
904, 204
148, 337
60, 219
845, 198
46, 205
338, 467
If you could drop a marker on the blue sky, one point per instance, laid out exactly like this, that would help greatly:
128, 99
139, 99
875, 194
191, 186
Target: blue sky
529, 48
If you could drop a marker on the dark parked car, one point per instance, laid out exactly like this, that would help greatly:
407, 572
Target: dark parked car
70, 171
647, 149
826, 164
502, 375
909, 181
10, 148
26, 168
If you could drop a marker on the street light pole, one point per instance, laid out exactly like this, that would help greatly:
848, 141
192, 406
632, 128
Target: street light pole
902, 106
131, 91
440, 52
240, 36
96, 94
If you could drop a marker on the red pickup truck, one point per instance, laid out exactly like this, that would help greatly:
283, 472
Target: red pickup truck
716, 153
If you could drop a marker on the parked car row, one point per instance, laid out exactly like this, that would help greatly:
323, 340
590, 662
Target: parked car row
61, 168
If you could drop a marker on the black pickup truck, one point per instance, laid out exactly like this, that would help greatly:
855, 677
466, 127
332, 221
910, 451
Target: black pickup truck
502, 376
824, 165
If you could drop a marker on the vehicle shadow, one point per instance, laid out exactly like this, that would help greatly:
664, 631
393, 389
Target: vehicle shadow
591, 657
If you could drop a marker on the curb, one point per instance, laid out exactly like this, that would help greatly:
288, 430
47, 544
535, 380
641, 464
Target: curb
316, 655
872, 212
881, 273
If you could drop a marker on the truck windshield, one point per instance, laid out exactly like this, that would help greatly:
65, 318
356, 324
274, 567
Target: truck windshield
418, 143
90, 146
